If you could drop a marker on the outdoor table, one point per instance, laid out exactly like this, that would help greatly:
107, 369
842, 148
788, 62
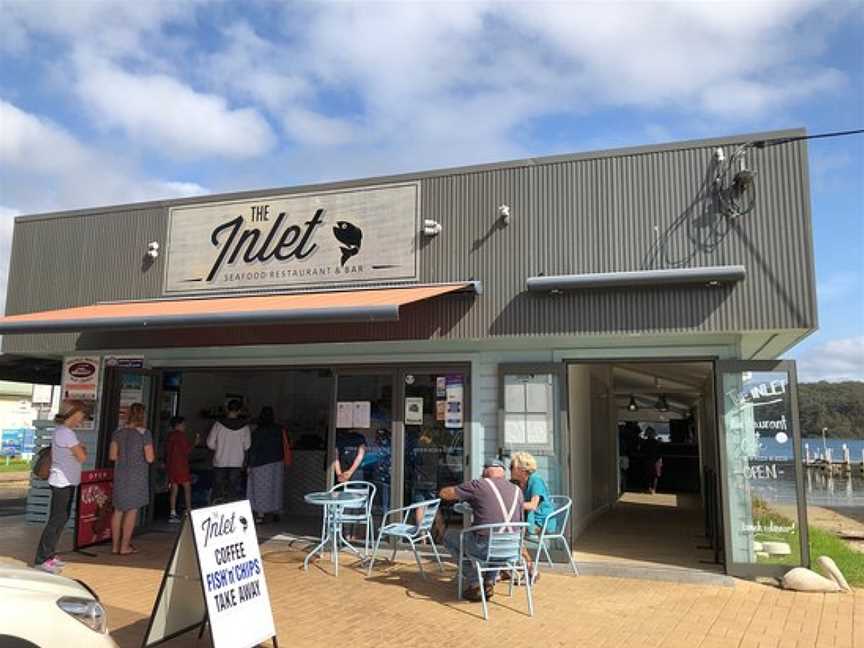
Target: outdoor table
332, 503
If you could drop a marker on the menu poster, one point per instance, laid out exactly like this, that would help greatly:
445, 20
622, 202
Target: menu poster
413, 411
514, 430
362, 414
440, 410
344, 414
454, 415
440, 387
537, 396
537, 431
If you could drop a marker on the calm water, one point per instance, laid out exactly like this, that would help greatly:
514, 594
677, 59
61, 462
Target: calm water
822, 489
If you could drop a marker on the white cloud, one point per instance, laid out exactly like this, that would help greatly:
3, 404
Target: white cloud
46, 168
426, 83
168, 116
115, 27
833, 361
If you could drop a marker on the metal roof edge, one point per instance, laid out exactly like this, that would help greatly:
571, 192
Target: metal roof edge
371, 313
419, 175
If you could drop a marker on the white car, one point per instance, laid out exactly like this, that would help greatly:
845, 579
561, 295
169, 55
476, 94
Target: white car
46, 610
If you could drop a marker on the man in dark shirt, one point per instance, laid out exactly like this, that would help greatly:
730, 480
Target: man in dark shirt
493, 499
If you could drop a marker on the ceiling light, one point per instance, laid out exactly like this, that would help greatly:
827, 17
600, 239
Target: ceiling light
632, 406
661, 405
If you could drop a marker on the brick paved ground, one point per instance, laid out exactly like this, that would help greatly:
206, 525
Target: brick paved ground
396, 607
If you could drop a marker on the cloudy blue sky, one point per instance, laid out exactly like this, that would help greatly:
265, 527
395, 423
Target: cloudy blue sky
104, 102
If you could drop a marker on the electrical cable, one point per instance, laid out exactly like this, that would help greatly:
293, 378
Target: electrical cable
760, 144
734, 187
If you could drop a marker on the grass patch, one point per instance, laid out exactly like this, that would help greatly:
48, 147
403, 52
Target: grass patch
15, 465
822, 543
850, 562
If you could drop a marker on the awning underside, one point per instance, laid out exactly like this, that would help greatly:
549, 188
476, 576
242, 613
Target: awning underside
378, 305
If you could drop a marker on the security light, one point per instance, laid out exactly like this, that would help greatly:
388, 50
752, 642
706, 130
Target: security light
153, 249
632, 406
743, 180
504, 214
431, 227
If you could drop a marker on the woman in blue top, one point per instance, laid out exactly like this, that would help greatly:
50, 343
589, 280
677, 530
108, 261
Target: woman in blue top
538, 504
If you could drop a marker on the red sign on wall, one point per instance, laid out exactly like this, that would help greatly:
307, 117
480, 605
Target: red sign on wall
95, 506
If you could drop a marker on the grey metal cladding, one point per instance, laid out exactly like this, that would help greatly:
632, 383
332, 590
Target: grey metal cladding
638, 209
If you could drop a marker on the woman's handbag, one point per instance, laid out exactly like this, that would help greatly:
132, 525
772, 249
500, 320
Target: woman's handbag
42, 463
287, 451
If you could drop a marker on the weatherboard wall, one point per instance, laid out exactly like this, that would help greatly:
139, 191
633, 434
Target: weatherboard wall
632, 209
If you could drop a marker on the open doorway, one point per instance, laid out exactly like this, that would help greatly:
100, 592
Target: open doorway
396, 426
643, 440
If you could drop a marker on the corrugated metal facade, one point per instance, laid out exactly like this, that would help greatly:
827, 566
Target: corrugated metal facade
612, 211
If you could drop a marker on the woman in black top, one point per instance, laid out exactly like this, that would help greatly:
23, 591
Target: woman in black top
264, 483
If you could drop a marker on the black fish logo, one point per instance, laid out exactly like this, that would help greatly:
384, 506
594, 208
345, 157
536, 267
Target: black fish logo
350, 236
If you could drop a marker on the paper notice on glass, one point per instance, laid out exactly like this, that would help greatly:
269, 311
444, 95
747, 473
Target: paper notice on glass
362, 414
344, 414
413, 411
440, 410
537, 396
514, 430
514, 396
537, 432
453, 414
440, 387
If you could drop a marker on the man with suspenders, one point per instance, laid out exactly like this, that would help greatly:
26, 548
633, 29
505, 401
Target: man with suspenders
493, 499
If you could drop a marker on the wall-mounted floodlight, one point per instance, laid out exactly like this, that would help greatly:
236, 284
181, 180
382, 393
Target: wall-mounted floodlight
743, 181
504, 214
153, 249
431, 227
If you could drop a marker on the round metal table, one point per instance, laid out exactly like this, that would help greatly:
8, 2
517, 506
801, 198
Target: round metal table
333, 503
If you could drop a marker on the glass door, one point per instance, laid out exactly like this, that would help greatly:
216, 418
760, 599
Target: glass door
434, 418
123, 387
363, 433
763, 495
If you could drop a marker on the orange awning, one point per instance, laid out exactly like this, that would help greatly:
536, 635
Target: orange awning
378, 305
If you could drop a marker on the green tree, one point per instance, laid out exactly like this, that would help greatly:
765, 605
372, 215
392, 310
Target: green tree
837, 406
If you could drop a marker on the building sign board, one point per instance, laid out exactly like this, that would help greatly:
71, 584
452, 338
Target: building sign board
294, 241
81, 378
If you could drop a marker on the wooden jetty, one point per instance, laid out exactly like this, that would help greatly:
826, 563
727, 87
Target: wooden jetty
823, 460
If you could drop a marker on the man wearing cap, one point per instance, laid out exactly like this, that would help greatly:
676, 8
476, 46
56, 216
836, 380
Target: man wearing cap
493, 500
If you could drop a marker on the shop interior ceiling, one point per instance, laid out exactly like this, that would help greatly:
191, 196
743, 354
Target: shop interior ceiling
683, 384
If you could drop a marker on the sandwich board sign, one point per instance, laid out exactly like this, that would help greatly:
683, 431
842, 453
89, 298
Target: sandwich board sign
215, 578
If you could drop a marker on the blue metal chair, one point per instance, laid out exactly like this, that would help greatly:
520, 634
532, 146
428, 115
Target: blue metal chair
503, 553
408, 529
360, 513
553, 529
